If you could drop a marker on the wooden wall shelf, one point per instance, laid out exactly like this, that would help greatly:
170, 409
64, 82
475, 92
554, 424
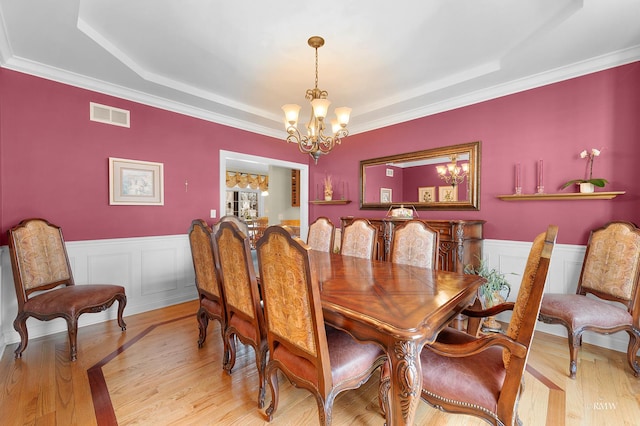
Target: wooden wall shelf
330, 202
563, 196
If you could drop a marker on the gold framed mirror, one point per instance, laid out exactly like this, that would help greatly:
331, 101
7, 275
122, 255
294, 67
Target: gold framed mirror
446, 178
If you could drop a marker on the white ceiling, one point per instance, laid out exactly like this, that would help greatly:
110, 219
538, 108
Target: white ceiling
237, 62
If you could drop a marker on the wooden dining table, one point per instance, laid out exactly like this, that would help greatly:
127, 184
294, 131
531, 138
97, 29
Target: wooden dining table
399, 307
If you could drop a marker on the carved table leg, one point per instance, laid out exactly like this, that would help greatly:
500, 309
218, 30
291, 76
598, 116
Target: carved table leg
406, 382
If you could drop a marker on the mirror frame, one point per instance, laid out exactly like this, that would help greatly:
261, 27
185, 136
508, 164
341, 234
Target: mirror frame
473, 202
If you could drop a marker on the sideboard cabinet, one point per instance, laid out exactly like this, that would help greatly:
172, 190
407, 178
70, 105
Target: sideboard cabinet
460, 240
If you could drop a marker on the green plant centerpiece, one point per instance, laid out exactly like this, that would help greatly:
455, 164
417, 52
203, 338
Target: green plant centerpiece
495, 291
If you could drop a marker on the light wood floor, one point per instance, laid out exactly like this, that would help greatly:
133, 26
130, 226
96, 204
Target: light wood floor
156, 375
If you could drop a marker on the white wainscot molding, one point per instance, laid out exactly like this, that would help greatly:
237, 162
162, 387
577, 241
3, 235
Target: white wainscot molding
155, 271
510, 258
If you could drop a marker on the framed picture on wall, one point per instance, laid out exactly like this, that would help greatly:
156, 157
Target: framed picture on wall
385, 195
134, 182
447, 193
427, 194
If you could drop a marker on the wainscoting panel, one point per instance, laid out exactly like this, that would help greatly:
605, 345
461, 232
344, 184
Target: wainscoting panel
158, 272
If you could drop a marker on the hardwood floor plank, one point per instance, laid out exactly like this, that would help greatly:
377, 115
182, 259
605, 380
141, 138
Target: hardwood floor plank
154, 373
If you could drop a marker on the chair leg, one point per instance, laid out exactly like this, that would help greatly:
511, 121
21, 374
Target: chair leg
203, 323
272, 377
122, 302
575, 342
325, 409
632, 351
230, 343
20, 325
72, 328
261, 363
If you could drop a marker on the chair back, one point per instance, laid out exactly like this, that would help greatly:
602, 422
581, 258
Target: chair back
237, 274
611, 269
415, 243
293, 310
241, 224
38, 258
200, 239
321, 235
527, 305
359, 239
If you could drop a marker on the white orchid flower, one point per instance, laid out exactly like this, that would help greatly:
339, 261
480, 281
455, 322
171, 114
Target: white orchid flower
583, 154
595, 152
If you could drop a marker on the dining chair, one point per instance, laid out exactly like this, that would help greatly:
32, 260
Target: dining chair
240, 223
359, 239
319, 358
207, 281
483, 376
245, 318
321, 235
44, 283
607, 299
415, 243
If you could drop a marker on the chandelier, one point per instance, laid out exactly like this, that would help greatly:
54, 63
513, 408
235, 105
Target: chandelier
452, 173
315, 142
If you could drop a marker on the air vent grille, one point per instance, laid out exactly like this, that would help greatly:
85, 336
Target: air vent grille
109, 115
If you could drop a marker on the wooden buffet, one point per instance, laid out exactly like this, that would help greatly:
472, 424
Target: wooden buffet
460, 240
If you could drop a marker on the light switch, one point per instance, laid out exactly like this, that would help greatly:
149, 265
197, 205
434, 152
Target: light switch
213, 213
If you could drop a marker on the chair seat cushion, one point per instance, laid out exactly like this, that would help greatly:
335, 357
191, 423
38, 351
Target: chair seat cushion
475, 379
581, 311
73, 300
349, 359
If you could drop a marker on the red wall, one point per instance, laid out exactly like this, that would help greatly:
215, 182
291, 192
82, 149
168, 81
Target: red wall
54, 161
553, 123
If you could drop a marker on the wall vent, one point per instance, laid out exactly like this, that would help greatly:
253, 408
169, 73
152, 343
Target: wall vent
109, 115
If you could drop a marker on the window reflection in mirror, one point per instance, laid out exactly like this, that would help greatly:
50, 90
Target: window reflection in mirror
444, 178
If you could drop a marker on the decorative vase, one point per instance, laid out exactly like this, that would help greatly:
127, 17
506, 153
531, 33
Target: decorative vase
490, 324
586, 187
328, 195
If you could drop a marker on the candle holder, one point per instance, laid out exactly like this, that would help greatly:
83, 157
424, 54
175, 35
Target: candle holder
518, 190
540, 189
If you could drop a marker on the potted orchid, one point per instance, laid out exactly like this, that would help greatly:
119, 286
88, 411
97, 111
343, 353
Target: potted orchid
587, 185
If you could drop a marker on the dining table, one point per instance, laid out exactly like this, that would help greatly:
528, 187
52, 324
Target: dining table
399, 307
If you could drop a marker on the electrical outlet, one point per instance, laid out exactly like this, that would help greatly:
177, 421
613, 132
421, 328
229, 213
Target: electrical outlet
213, 213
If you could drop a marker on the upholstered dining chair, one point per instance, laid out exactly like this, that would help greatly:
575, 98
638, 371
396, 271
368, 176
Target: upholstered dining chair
45, 286
240, 223
359, 239
207, 281
323, 360
245, 319
483, 376
415, 243
607, 299
321, 234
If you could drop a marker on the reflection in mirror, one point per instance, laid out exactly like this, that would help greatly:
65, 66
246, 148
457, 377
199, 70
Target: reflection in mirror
444, 178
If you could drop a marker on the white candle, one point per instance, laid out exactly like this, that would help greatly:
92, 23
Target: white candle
518, 175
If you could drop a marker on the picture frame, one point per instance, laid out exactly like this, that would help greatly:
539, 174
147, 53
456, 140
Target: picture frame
135, 182
385, 195
389, 172
427, 194
447, 194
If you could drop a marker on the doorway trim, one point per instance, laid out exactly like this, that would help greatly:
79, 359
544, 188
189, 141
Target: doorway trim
304, 182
